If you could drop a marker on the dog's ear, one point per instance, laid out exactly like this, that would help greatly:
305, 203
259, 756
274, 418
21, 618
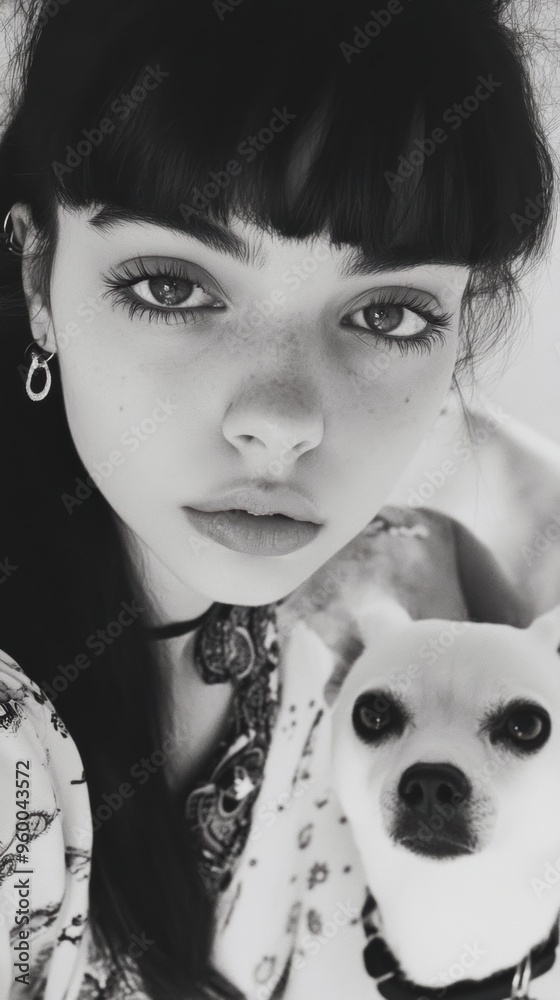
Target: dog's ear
548, 625
344, 663
368, 625
385, 613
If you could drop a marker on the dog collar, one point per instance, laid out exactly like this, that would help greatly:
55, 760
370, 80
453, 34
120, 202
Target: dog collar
391, 982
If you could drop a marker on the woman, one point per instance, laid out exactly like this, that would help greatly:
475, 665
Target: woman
248, 249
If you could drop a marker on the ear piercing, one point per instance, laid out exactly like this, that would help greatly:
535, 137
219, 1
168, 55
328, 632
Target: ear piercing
13, 246
37, 360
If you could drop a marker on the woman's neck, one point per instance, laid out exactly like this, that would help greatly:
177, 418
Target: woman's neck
166, 598
198, 712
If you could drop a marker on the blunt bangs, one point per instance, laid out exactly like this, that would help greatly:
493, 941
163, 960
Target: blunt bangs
408, 134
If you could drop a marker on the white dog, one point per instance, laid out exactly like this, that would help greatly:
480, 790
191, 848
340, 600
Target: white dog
445, 758
431, 708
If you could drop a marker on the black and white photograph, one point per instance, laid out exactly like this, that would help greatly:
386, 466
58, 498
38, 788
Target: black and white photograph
279, 500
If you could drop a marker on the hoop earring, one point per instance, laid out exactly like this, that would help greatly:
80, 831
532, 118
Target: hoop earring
9, 236
39, 361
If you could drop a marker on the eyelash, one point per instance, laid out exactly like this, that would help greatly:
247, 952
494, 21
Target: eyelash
438, 322
118, 285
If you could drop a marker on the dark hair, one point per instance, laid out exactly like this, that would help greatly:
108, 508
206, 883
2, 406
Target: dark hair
372, 91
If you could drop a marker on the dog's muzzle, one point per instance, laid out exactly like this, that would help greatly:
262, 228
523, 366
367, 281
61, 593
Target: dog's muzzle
432, 811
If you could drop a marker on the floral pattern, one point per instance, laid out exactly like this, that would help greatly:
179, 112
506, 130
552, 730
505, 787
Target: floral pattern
243, 798
238, 644
42, 809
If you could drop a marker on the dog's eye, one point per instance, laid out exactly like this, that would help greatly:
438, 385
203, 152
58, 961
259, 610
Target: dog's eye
526, 728
376, 716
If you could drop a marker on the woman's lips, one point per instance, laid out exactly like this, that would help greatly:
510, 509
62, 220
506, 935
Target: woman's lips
255, 534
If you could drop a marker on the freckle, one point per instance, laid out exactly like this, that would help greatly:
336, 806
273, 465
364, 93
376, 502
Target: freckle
407, 399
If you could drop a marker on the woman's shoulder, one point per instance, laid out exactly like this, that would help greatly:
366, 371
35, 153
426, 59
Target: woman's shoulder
428, 561
24, 707
32, 732
45, 838
16, 686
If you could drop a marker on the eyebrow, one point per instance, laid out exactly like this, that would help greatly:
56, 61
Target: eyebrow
210, 234
357, 261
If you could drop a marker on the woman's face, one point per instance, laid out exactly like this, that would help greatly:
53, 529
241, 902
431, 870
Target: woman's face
190, 366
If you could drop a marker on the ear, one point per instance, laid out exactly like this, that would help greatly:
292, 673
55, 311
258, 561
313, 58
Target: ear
369, 622
548, 625
383, 614
347, 657
39, 314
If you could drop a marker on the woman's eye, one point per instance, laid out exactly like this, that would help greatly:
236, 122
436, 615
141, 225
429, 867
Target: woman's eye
163, 290
173, 293
404, 318
387, 319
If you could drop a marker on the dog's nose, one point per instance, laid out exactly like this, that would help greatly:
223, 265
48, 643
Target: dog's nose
425, 786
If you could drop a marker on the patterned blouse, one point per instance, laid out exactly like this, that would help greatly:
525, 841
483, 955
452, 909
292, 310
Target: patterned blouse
46, 949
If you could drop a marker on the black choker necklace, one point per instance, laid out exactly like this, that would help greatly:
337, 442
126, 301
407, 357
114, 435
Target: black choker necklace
392, 983
181, 628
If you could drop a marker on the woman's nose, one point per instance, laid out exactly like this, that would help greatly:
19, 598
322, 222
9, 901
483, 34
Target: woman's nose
273, 426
